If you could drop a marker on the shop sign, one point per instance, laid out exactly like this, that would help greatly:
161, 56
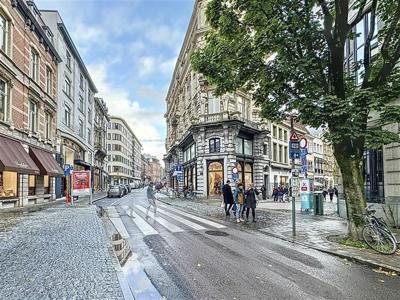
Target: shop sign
81, 183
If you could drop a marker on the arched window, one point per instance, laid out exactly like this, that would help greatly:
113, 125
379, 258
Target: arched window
248, 174
215, 145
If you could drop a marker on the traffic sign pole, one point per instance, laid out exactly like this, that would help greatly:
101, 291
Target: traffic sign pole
293, 137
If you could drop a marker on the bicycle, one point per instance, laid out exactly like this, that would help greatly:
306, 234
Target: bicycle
377, 234
191, 195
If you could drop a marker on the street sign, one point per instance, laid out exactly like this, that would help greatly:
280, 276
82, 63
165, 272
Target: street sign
304, 164
234, 170
178, 168
294, 149
235, 177
303, 152
68, 170
294, 155
294, 136
303, 143
295, 173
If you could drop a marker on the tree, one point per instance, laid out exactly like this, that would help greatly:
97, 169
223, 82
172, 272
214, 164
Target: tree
290, 55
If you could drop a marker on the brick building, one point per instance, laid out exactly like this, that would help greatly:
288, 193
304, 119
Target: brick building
28, 105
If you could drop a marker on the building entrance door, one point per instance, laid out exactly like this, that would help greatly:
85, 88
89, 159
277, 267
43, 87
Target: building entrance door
215, 177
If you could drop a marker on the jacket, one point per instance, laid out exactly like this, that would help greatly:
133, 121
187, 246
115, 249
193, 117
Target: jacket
251, 199
227, 193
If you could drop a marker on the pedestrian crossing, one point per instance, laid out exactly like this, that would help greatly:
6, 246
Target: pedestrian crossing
173, 220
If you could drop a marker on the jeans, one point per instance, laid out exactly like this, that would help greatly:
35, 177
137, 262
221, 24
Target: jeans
239, 208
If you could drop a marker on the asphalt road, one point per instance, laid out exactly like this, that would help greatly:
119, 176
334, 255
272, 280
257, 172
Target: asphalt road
184, 260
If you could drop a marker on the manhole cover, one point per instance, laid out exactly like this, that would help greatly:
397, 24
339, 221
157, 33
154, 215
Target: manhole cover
216, 233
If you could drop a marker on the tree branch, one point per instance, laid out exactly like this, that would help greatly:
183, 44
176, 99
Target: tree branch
328, 22
367, 45
360, 14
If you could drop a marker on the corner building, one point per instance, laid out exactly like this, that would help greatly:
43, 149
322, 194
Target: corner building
210, 135
28, 106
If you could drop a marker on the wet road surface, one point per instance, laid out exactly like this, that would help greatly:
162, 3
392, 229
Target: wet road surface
193, 257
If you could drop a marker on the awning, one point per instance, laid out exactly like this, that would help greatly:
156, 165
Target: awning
82, 163
14, 158
46, 162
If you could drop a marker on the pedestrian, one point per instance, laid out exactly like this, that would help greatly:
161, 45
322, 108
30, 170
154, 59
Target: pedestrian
251, 202
280, 194
264, 192
324, 193
336, 193
151, 198
331, 191
275, 194
238, 196
228, 197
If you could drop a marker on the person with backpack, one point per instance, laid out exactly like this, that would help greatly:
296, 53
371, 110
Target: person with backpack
238, 196
251, 201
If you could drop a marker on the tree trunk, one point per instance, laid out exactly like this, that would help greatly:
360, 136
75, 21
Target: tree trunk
353, 187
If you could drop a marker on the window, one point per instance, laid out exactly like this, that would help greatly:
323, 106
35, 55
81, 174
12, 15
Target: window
285, 155
215, 145
89, 115
280, 133
248, 147
274, 152
80, 128
3, 100
80, 103
243, 146
46, 184
274, 131
68, 61
47, 129
34, 65
243, 106
8, 184
31, 185
49, 76
280, 154
213, 104
32, 116
265, 149
3, 33
67, 86
89, 136
81, 81
285, 135
67, 116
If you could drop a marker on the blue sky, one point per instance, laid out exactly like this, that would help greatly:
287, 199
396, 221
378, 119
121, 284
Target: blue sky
130, 48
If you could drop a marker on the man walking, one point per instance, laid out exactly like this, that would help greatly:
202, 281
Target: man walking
331, 191
228, 197
151, 198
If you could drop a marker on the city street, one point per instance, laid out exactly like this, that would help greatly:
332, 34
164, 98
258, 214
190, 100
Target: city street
187, 256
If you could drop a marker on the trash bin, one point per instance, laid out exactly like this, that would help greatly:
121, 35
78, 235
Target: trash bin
318, 204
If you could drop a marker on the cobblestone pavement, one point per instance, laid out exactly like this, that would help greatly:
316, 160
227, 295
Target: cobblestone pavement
56, 253
311, 230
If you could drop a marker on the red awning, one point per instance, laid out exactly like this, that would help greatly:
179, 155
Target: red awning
14, 158
46, 162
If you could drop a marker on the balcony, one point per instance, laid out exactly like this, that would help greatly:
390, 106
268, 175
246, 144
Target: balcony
225, 116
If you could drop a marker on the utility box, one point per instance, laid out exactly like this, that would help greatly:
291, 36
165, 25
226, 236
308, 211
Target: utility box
318, 204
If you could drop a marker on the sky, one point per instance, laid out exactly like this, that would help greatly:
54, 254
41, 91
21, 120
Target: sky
130, 48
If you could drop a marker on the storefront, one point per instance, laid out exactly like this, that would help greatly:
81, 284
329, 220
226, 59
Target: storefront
245, 171
15, 168
215, 177
190, 176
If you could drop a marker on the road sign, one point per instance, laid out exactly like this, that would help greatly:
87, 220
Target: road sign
303, 152
68, 170
304, 164
234, 170
294, 149
295, 173
235, 177
294, 136
303, 143
178, 168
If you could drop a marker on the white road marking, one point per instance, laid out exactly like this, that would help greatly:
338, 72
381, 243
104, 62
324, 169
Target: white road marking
120, 227
182, 220
170, 226
205, 221
144, 227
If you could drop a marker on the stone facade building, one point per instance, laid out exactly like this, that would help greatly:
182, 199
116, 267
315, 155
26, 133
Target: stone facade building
28, 106
208, 136
75, 102
120, 148
145, 168
101, 120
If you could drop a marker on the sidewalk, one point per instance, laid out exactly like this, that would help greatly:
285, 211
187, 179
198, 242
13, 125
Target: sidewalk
312, 231
57, 253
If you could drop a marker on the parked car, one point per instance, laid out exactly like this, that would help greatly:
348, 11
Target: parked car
124, 189
115, 191
128, 187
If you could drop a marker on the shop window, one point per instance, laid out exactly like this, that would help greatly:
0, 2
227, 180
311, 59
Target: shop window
46, 184
248, 147
32, 185
8, 184
248, 175
215, 145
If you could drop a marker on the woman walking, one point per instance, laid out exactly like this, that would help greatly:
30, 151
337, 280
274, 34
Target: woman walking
251, 202
238, 196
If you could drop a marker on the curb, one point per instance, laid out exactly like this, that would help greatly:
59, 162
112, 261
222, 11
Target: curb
358, 259
31, 208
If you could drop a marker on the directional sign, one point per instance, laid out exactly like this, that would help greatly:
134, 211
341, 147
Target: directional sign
303, 152
235, 177
178, 168
304, 164
294, 149
294, 136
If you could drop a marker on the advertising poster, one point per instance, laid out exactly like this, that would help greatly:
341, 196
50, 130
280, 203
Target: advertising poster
81, 183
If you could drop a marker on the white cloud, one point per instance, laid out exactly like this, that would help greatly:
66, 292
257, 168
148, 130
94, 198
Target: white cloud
152, 93
143, 120
148, 65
